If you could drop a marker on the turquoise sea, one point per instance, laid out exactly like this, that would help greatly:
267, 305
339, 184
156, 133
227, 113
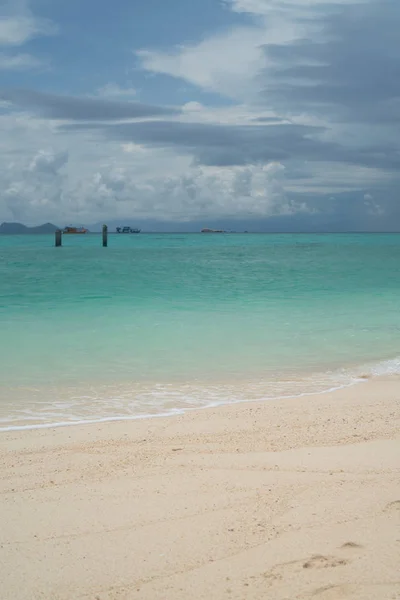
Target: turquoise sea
157, 324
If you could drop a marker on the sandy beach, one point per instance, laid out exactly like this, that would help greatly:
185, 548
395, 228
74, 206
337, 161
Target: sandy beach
286, 499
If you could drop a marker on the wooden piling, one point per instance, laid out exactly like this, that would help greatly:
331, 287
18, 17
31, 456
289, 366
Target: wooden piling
58, 238
105, 236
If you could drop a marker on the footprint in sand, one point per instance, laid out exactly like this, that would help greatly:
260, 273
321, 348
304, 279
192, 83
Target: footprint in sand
331, 592
317, 561
324, 562
272, 577
392, 507
351, 546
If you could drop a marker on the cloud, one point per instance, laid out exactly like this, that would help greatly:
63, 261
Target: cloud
90, 182
16, 30
215, 144
310, 128
43, 190
234, 62
18, 26
46, 190
216, 63
48, 162
53, 106
38, 188
20, 62
353, 74
373, 208
271, 7
312, 62
336, 60
113, 90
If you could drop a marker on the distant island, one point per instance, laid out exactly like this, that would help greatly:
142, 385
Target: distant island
19, 228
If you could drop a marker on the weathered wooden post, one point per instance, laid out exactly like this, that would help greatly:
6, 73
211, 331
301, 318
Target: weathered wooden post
105, 235
58, 236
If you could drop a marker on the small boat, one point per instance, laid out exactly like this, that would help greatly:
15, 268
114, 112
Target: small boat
128, 230
70, 229
206, 230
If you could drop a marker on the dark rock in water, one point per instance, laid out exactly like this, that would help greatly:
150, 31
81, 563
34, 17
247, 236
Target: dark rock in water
19, 228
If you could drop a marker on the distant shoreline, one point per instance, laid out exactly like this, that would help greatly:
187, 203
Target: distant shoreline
97, 232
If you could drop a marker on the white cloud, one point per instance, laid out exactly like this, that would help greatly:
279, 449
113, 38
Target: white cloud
113, 90
132, 148
266, 7
16, 30
231, 62
19, 62
211, 192
234, 62
77, 180
48, 162
17, 27
216, 63
235, 114
193, 107
373, 207
40, 192
73, 178
36, 189
84, 176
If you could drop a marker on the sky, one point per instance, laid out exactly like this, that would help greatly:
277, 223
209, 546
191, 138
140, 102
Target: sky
263, 114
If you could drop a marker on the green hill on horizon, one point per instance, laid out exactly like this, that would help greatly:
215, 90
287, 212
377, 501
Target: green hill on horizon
19, 228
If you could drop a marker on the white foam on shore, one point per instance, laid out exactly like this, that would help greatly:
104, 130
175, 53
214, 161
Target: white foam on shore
340, 379
386, 367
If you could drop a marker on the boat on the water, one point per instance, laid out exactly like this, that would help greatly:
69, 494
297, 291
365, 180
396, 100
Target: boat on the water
206, 230
128, 230
71, 229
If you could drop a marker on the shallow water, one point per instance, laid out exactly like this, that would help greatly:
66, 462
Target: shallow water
160, 323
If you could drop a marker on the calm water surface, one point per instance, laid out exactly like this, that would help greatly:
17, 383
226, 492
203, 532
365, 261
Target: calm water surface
155, 324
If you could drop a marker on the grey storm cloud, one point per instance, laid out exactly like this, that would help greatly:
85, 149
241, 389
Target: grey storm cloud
54, 106
229, 145
214, 144
350, 73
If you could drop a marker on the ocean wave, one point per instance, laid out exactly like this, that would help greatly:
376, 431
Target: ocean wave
386, 367
166, 400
